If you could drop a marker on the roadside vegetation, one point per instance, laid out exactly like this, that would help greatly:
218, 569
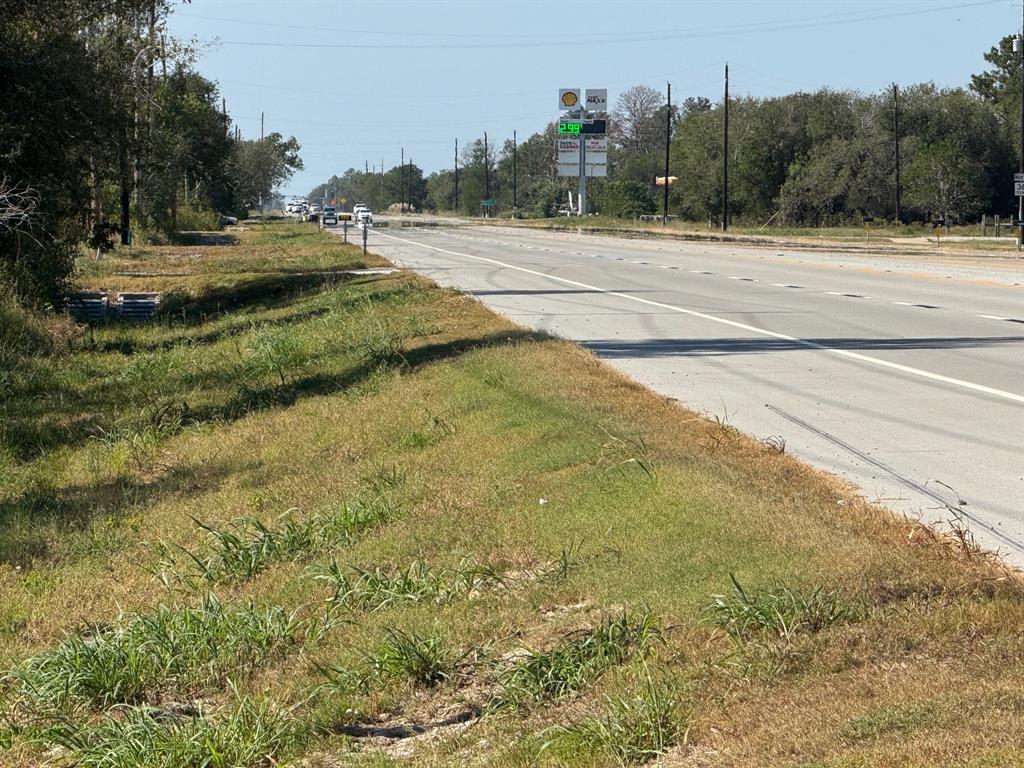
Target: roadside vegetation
316, 517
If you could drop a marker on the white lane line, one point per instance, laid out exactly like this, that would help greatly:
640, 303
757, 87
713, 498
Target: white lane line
779, 285
921, 373
907, 304
993, 317
833, 293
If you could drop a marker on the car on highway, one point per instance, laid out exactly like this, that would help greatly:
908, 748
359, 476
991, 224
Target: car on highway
364, 218
329, 218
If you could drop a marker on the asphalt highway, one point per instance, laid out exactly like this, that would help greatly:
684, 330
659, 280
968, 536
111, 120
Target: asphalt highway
904, 375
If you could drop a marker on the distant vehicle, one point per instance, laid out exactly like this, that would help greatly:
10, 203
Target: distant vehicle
228, 220
357, 209
329, 218
364, 218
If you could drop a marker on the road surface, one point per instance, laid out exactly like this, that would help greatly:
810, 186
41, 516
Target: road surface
902, 376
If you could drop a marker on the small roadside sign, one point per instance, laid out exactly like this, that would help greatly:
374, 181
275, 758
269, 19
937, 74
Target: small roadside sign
488, 203
1018, 177
597, 100
1018, 188
569, 98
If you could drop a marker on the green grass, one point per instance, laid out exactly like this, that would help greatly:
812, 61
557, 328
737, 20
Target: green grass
577, 661
177, 649
375, 589
249, 733
246, 546
444, 513
781, 613
634, 728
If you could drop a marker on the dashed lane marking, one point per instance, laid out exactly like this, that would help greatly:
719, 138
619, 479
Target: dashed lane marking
845, 353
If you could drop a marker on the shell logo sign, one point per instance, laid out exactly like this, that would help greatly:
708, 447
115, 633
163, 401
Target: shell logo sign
568, 98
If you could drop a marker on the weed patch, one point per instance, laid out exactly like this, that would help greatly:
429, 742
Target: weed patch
253, 733
170, 648
634, 729
379, 588
769, 624
579, 660
247, 546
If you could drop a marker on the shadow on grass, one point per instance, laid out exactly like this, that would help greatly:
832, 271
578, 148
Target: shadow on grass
268, 291
203, 238
249, 400
70, 510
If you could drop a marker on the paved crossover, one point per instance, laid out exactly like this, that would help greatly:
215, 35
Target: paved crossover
904, 375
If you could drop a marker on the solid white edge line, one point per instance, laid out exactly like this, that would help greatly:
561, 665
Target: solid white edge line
993, 317
742, 326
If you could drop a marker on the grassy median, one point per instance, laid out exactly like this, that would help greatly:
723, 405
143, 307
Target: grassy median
315, 517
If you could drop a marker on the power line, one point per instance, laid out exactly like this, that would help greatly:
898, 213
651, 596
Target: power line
484, 39
760, 29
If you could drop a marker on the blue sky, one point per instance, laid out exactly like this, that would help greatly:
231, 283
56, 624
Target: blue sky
355, 82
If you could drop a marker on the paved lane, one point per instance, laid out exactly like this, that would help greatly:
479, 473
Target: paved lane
907, 379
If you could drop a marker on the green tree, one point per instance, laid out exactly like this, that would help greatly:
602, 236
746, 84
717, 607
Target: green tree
258, 166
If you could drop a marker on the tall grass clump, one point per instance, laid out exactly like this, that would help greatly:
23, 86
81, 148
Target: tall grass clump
251, 734
634, 729
580, 659
375, 589
781, 612
247, 546
181, 649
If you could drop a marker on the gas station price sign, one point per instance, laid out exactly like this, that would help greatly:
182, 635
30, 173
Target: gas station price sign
570, 128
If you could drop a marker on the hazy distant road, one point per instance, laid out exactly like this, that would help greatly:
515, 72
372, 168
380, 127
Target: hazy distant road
896, 375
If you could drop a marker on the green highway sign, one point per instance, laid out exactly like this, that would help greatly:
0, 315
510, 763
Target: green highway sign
488, 203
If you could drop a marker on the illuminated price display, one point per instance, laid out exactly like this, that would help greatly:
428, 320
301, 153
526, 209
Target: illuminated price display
573, 128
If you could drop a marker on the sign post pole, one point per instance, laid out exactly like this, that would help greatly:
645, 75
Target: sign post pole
1018, 190
583, 178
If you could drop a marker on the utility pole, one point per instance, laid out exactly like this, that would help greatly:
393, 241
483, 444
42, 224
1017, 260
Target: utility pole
487, 174
456, 173
896, 145
224, 111
401, 183
261, 126
381, 201
1020, 200
515, 201
366, 167
668, 142
725, 156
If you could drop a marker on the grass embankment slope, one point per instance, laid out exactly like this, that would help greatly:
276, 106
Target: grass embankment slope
315, 518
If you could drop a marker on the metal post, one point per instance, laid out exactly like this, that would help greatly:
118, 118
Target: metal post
1020, 200
487, 177
582, 201
515, 205
344, 231
456, 174
725, 156
365, 228
668, 142
896, 150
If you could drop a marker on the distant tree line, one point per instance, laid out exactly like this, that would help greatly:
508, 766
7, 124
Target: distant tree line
107, 129
821, 158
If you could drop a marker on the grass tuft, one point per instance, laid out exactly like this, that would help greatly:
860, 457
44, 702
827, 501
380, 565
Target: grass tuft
247, 546
579, 660
378, 588
781, 613
252, 734
168, 649
634, 729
